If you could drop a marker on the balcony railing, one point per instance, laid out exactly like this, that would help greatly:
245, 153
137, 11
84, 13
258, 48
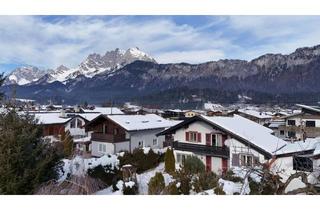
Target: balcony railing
105, 137
202, 149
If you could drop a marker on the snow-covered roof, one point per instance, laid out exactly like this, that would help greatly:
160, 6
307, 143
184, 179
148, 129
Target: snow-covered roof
89, 116
141, 122
312, 108
212, 107
104, 110
300, 146
255, 133
50, 118
255, 113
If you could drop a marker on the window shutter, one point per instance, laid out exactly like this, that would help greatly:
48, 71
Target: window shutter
199, 137
235, 159
187, 136
208, 139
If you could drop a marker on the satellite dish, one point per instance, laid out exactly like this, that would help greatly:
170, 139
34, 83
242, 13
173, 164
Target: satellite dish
227, 142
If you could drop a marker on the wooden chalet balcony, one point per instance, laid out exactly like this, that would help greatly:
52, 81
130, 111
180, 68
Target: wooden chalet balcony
202, 149
105, 137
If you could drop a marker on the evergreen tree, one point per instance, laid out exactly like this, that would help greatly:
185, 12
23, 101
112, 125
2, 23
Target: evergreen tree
193, 165
169, 161
156, 184
26, 160
67, 142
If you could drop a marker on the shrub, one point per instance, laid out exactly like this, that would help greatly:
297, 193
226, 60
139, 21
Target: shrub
219, 191
106, 174
231, 177
156, 184
169, 161
140, 160
184, 180
128, 190
171, 189
205, 181
193, 165
254, 187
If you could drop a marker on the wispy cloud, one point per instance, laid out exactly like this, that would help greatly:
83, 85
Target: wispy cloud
51, 41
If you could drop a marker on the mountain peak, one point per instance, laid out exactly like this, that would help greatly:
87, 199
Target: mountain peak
24, 75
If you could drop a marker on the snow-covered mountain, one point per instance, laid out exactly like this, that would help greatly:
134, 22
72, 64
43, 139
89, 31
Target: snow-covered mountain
24, 75
95, 64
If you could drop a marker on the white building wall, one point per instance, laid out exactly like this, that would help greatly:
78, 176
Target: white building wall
237, 147
76, 131
147, 137
95, 148
201, 127
284, 165
122, 146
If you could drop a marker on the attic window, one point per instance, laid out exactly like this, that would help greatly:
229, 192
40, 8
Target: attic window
127, 122
159, 120
145, 121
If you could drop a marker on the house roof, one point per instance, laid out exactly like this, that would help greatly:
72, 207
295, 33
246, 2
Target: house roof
311, 108
242, 129
104, 110
50, 118
54, 118
255, 113
311, 145
141, 122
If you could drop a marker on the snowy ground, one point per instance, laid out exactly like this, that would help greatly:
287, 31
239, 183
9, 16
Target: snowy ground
144, 178
79, 166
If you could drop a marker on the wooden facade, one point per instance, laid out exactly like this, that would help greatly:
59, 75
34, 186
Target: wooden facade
105, 130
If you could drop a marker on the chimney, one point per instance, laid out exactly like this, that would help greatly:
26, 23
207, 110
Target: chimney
62, 113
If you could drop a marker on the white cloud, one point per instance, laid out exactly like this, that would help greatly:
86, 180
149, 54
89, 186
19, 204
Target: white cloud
193, 56
35, 41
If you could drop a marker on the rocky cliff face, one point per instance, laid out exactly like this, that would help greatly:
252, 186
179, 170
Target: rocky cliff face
122, 75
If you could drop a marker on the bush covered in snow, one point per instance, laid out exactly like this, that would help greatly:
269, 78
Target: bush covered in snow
130, 188
156, 184
107, 174
219, 191
205, 181
230, 175
140, 160
185, 181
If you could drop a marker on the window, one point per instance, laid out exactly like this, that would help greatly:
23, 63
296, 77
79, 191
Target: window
246, 160
302, 164
140, 143
104, 129
310, 123
79, 123
291, 134
291, 122
193, 136
282, 132
214, 140
181, 157
102, 148
155, 141
73, 123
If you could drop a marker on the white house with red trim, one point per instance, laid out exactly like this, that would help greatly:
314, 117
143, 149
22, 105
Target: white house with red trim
222, 142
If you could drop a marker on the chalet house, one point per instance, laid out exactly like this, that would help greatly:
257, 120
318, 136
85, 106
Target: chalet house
302, 125
259, 117
299, 156
115, 133
222, 142
56, 124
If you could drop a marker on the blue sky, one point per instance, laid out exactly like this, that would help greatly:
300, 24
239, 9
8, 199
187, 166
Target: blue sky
48, 41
